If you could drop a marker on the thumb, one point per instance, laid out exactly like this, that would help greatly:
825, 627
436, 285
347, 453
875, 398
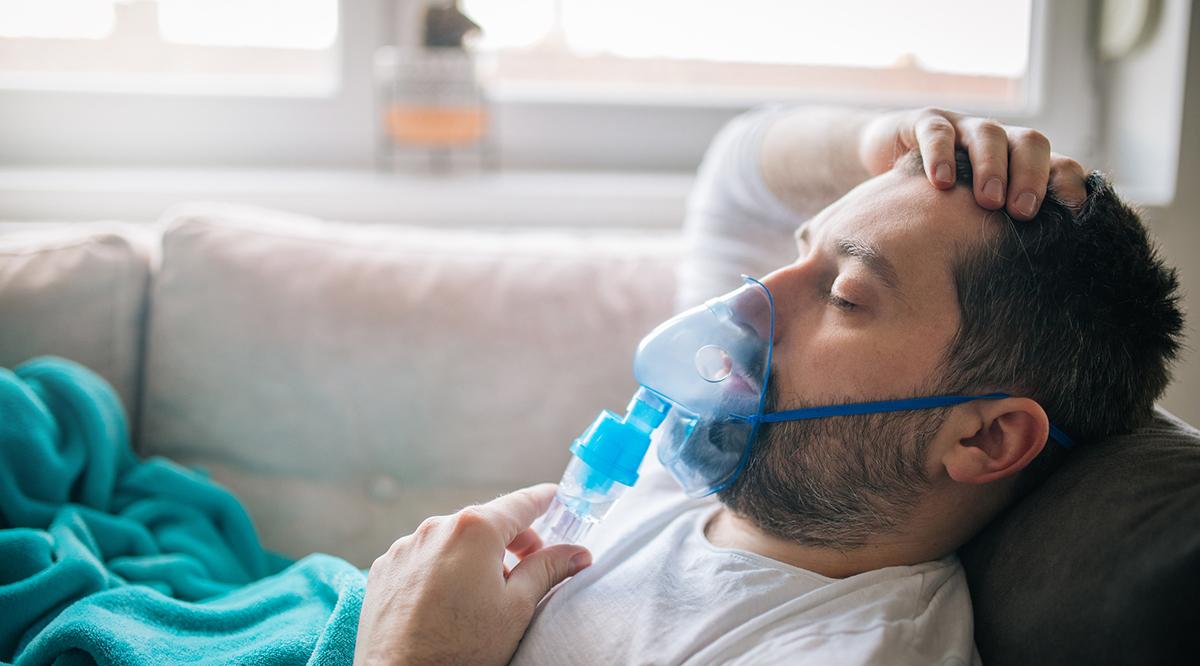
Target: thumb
533, 577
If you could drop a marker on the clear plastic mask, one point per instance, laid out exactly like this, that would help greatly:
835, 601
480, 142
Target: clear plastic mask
712, 364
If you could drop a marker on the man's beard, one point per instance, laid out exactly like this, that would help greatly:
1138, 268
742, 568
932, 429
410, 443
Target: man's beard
835, 482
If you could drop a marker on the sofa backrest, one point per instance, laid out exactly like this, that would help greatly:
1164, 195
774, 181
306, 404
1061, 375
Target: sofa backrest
349, 380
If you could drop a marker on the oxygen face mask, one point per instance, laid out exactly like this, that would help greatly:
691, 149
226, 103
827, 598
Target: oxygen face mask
704, 376
712, 365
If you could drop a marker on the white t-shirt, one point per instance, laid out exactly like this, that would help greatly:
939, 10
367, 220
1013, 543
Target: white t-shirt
659, 592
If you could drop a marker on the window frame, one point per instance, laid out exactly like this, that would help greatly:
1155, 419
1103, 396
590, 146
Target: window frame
338, 130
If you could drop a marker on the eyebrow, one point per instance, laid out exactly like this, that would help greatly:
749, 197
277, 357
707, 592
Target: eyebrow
870, 256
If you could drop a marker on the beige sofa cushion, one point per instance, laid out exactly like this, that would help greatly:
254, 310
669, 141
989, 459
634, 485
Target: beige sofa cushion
349, 380
77, 291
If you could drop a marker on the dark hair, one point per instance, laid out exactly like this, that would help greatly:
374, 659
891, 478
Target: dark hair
1073, 308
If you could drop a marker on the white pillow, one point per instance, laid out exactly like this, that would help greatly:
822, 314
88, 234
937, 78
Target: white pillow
77, 291
390, 364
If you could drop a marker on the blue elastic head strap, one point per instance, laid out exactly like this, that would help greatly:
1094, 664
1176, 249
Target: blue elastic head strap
929, 402
876, 407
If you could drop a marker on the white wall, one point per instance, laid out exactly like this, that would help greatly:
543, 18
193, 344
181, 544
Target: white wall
1177, 228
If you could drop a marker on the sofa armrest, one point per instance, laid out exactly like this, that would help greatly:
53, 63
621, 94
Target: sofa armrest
77, 291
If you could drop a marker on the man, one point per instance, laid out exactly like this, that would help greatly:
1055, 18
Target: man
836, 542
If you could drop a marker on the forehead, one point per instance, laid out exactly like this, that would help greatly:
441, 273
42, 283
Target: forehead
918, 228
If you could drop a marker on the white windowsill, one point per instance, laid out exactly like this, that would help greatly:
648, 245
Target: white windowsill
609, 199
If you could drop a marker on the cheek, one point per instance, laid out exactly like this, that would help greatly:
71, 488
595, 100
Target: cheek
864, 364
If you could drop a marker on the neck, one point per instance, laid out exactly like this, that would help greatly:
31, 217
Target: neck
728, 530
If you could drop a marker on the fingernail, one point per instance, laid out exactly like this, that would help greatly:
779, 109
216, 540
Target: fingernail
580, 561
994, 190
943, 173
1025, 204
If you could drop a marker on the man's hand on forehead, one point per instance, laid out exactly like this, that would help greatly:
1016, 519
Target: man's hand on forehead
1012, 165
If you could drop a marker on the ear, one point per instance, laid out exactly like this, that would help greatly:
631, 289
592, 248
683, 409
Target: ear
995, 439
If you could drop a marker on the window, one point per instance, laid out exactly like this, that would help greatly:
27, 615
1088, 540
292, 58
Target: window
170, 46
632, 85
744, 51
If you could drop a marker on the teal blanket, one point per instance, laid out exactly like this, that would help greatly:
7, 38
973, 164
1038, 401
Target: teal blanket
107, 558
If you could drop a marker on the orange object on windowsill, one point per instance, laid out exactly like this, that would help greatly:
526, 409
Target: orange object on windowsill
442, 126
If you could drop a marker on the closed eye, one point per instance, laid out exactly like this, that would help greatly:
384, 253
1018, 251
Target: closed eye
839, 302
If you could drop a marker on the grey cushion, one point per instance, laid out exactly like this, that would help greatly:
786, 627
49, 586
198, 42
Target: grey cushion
1101, 563
79, 291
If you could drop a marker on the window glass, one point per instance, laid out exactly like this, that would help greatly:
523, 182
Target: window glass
56, 19
761, 48
170, 46
306, 24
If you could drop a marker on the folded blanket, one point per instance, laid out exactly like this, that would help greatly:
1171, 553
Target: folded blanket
107, 558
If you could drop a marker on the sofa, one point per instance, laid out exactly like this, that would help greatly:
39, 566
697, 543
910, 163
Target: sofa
348, 380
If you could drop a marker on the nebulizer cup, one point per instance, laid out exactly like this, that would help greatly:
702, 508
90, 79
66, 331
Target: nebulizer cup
604, 464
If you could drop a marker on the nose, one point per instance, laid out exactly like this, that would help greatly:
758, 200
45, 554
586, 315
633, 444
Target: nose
788, 285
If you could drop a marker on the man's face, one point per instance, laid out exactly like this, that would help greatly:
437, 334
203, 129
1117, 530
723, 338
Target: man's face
868, 308
864, 314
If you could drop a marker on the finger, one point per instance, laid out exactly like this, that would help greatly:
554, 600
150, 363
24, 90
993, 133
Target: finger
1067, 178
525, 544
935, 136
987, 145
513, 513
1028, 171
535, 575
